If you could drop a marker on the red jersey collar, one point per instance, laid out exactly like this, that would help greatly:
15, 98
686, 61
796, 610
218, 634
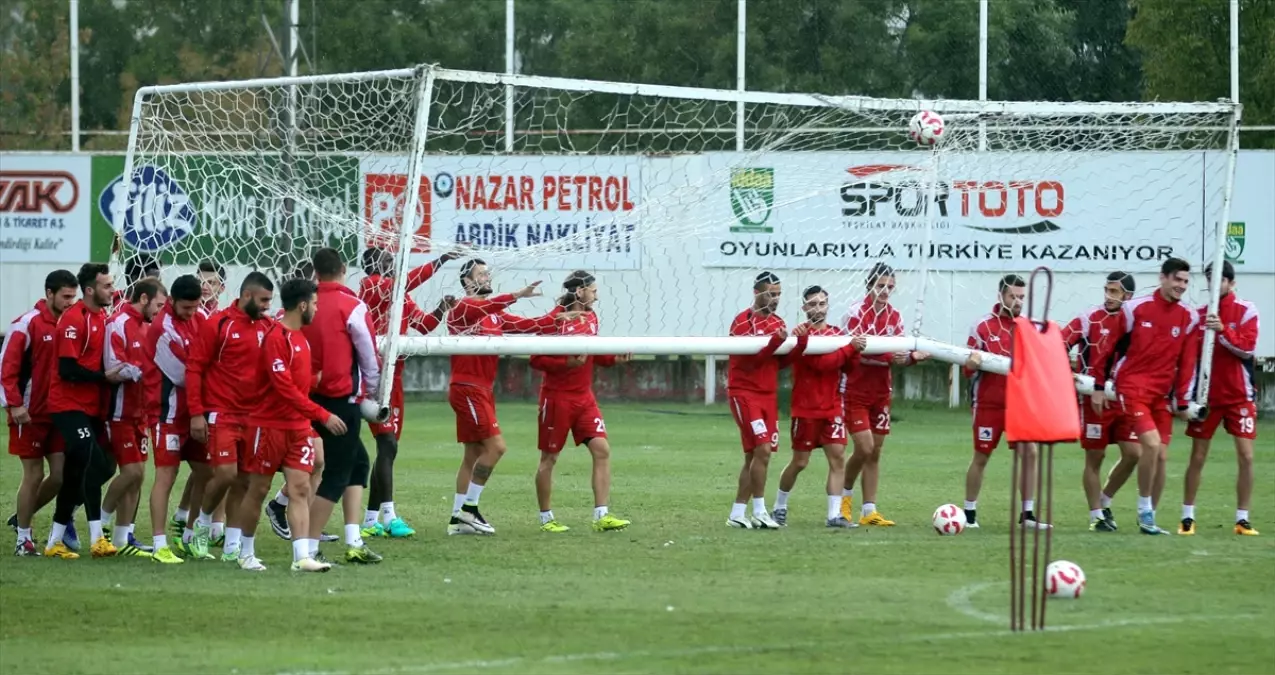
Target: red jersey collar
1159, 297
998, 309
335, 287
132, 312
43, 308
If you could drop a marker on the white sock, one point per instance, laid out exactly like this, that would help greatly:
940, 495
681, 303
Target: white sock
159, 541
1144, 504
834, 506
1095, 514
868, 508
475, 491
1241, 514
24, 534
280, 498
187, 535
353, 536
300, 549
388, 515
233, 535
248, 549
95, 530
736, 512
847, 493
204, 519
313, 545
216, 530
457, 501
759, 505
599, 512
369, 518
55, 534
120, 536
182, 515
131, 527
971, 505
546, 516
1188, 511
1105, 501
1029, 504
108, 519
781, 500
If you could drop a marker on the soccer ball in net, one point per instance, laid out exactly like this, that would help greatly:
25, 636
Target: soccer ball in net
949, 520
1064, 579
926, 128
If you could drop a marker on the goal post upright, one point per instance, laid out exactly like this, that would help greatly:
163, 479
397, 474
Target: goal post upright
1219, 258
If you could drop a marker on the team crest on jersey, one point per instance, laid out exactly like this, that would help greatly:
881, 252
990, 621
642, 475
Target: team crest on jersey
889, 330
70, 333
1176, 331
278, 366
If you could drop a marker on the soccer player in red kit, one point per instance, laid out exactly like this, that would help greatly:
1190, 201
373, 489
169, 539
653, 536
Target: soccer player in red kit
168, 343
868, 392
280, 430
223, 386
77, 393
27, 362
567, 405
1088, 333
1231, 395
376, 290
470, 390
752, 385
1155, 363
817, 418
126, 408
994, 334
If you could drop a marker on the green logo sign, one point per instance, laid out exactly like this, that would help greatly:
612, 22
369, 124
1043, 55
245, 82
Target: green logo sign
1235, 243
752, 199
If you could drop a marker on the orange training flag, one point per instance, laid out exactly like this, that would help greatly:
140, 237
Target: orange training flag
1040, 403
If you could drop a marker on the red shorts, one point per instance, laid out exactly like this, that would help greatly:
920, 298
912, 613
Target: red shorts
475, 413
127, 441
809, 433
171, 445
1141, 417
562, 413
869, 415
1098, 430
757, 417
274, 448
1239, 420
227, 440
34, 441
393, 425
989, 426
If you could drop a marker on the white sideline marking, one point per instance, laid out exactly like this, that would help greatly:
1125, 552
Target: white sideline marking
959, 600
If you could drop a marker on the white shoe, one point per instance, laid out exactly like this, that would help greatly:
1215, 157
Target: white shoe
1030, 524
309, 565
461, 528
741, 523
763, 521
475, 520
972, 526
252, 564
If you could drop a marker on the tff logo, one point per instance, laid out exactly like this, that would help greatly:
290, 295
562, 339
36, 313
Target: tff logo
901, 190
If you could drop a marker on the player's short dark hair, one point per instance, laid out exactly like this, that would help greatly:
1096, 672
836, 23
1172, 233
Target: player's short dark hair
210, 267
1228, 271
468, 268
765, 279
296, 291
87, 278
328, 264
145, 287
371, 259
1010, 280
812, 290
574, 282
186, 287
878, 270
1126, 280
304, 270
1173, 266
140, 266
256, 280
59, 279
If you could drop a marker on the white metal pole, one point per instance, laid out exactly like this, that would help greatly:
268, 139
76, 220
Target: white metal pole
1235, 51
982, 69
75, 75
741, 47
710, 379
294, 39
509, 70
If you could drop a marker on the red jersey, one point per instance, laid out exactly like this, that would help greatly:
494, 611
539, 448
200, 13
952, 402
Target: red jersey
343, 345
1094, 330
1153, 349
377, 291
994, 334
125, 335
28, 361
81, 335
487, 316
285, 403
168, 342
816, 379
874, 380
1233, 362
579, 380
208, 307
756, 373
223, 370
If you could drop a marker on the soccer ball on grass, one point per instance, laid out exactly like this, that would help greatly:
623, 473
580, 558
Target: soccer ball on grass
1064, 579
949, 520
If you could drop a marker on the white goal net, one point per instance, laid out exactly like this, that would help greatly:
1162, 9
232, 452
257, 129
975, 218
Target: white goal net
675, 198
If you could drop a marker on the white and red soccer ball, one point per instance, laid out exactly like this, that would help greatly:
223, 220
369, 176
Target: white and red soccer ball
949, 520
926, 128
1064, 579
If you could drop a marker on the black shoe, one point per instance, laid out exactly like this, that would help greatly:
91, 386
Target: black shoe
1101, 525
971, 518
277, 514
12, 522
1027, 519
1109, 519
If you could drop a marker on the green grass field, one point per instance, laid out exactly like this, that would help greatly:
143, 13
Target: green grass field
678, 592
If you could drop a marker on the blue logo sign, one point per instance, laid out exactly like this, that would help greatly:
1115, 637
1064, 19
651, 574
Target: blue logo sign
152, 212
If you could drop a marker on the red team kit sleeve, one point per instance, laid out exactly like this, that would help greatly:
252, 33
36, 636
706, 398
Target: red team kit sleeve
15, 348
1242, 340
201, 349
787, 359
1187, 359
278, 354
